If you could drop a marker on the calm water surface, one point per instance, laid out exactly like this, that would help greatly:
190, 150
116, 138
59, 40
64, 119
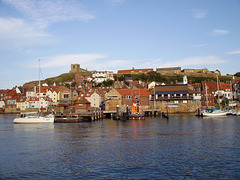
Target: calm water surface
183, 147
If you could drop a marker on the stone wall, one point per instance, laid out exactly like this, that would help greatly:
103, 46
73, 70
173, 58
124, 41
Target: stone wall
183, 106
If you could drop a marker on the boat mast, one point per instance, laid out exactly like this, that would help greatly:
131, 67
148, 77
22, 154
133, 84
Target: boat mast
218, 92
206, 93
39, 86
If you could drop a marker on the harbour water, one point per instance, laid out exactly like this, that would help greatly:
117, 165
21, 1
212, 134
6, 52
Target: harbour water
183, 147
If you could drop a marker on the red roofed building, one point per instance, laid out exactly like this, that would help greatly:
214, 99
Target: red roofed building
124, 97
82, 105
134, 71
210, 92
128, 96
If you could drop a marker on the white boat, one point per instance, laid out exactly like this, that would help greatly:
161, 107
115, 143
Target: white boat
32, 119
214, 113
238, 113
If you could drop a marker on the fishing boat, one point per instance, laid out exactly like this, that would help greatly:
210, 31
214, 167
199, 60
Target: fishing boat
29, 118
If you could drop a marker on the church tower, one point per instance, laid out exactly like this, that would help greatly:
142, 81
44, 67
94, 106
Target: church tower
75, 68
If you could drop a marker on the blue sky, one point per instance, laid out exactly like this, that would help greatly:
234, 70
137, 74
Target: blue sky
116, 34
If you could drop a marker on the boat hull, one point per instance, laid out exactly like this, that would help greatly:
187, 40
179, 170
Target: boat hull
136, 116
33, 120
206, 114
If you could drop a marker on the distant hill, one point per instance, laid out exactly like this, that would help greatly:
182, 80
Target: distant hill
148, 77
66, 77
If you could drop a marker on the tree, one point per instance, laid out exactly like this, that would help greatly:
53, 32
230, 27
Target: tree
237, 74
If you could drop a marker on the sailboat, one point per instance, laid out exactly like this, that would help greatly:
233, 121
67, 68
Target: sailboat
215, 112
34, 119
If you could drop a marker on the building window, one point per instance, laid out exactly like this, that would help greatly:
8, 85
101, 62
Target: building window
128, 96
66, 96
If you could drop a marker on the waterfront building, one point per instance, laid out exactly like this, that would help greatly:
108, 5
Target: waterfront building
2, 104
32, 92
82, 105
21, 103
2, 98
93, 97
210, 92
178, 98
113, 99
11, 101
236, 89
130, 95
54, 94
125, 97
67, 99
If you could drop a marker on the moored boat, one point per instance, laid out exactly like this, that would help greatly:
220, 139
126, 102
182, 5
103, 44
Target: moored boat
33, 119
213, 113
136, 112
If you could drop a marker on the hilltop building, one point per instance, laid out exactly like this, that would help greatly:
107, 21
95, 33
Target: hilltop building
169, 70
134, 71
189, 72
75, 68
100, 76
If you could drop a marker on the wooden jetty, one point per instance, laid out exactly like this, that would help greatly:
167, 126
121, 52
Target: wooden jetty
79, 117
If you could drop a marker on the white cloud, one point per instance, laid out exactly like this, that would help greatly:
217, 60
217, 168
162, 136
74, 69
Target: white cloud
38, 15
12, 28
68, 59
219, 32
199, 13
46, 12
17, 33
234, 52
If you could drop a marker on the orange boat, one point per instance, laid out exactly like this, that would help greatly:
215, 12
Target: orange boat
136, 112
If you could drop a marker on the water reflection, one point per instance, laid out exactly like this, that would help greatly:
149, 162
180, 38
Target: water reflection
182, 147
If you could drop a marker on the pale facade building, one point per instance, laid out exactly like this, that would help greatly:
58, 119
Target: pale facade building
100, 76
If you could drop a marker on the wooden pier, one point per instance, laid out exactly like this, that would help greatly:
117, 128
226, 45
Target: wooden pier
79, 117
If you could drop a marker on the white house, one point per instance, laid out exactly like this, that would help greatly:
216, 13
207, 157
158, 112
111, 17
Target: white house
21, 103
54, 95
33, 102
2, 104
93, 97
151, 85
45, 103
31, 92
100, 76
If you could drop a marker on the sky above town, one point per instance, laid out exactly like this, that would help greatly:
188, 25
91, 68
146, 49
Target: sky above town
116, 34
